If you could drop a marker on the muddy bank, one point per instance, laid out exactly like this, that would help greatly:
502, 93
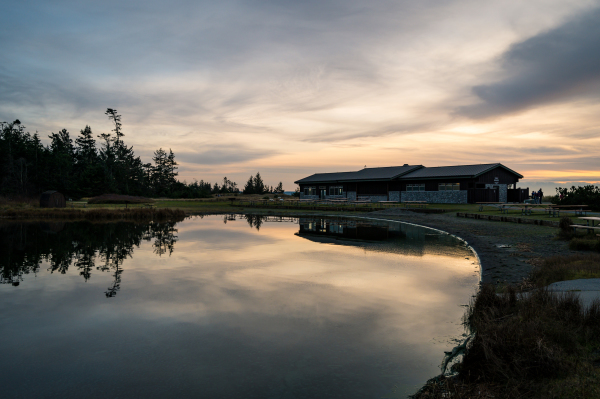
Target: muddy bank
507, 251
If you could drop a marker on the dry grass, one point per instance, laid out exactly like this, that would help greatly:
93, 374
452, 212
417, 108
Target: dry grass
561, 268
118, 199
536, 345
19, 202
135, 214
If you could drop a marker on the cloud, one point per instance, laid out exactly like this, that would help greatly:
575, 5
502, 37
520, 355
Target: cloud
231, 154
551, 66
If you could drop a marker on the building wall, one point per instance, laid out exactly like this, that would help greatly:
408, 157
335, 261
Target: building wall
351, 195
394, 196
373, 198
439, 197
503, 176
502, 191
303, 196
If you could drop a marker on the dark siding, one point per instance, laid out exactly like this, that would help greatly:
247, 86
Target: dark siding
504, 177
372, 188
432, 185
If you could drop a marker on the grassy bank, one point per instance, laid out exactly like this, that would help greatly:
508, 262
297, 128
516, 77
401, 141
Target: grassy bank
241, 204
540, 345
563, 268
132, 214
535, 344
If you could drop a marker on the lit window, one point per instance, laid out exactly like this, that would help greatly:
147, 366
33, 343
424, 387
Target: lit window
310, 191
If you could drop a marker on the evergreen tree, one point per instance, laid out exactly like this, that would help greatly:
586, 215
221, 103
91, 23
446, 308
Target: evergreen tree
108, 159
249, 187
259, 185
279, 188
62, 154
88, 170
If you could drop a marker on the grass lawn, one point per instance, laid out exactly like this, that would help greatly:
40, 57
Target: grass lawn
223, 205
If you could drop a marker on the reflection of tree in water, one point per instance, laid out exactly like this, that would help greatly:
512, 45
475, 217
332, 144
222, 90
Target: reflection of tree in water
255, 220
164, 238
87, 246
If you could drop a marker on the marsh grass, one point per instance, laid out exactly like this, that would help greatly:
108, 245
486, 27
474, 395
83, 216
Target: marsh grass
590, 243
19, 202
133, 214
562, 268
535, 345
118, 199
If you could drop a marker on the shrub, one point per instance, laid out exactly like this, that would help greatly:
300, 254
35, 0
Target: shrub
566, 231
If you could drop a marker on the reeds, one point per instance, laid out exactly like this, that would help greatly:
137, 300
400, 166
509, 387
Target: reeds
561, 268
133, 214
526, 345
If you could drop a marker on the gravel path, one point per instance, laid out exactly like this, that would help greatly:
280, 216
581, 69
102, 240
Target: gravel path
507, 251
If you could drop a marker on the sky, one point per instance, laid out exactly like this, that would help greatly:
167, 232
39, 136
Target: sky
291, 88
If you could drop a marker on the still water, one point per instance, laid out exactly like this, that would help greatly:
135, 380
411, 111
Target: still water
228, 307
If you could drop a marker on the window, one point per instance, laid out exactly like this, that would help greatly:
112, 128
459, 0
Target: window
448, 186
335, 190
415, 187
310, 191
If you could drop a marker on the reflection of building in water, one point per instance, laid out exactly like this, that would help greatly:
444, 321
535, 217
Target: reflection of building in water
398, 238
348, 229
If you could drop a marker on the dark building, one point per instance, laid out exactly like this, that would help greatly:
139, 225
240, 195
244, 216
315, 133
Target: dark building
445, 184
52, 199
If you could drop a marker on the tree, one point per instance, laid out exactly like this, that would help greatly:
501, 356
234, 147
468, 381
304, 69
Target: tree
88, 170
259, 185
62, 154
164, 172
279, 188
108, 159
116, 118
249, 187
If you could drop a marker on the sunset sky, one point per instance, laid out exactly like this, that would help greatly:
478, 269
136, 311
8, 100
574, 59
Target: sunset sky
291, 88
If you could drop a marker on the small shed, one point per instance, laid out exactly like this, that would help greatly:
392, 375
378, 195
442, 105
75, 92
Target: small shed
52, 199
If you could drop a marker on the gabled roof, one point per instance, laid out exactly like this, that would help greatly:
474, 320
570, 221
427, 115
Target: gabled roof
385, 173
468, 171
406, 172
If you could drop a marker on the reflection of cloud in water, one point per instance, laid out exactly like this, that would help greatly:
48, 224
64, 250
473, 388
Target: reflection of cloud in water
278, 315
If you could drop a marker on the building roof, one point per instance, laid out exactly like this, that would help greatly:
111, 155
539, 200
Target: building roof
405, 172
385, 173
455, 171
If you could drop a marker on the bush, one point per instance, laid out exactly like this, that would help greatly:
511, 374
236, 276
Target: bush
566, 231
586, 195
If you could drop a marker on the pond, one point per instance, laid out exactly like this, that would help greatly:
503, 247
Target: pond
234, 306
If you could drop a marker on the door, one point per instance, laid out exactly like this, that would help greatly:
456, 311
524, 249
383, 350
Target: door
323, 193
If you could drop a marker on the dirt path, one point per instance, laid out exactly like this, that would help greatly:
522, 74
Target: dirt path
507, 251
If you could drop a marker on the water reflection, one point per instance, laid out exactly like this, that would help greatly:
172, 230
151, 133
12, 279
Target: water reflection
234, 306
84, 245
399, 238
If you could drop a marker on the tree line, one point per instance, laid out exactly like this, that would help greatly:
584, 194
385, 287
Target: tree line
87, 167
